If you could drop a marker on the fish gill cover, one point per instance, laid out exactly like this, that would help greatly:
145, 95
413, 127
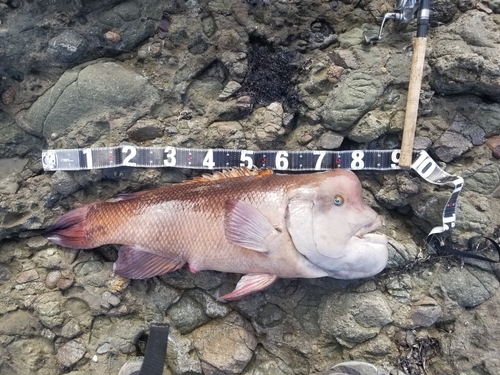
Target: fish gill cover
270, 73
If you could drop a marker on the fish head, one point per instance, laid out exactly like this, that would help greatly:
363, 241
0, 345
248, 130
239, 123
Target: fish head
330, 225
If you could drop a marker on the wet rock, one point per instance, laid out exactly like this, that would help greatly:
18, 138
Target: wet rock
212, 344
67, 47
450, 146
37, 356
20, 322
358, 92
5, 273
228, 91
49, 309
485, 179
71, 329
180, 354
330, 141
370, 127
109, 299
64, 183
187, 314
269, 125
425, 312
469, 287
70, 353
145, 130
354, 318
463, 52
270, 315
27, 276
87, 92
493, 144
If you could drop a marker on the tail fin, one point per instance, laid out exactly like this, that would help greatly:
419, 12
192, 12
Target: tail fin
70, 230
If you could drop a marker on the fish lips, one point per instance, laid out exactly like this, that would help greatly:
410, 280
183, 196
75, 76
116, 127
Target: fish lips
365, 232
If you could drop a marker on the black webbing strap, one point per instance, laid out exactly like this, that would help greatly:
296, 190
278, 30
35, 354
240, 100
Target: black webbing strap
156, 350
441, 249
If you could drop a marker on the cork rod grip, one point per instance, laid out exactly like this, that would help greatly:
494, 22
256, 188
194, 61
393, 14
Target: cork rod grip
410, 124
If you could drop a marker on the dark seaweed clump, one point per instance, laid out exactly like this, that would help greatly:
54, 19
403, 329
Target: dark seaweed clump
269, 77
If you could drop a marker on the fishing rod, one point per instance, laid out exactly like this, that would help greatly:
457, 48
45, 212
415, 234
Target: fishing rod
404, 12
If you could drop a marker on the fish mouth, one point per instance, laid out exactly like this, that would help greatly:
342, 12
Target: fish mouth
364, 233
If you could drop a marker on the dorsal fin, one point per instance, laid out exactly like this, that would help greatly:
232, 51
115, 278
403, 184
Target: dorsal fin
231, 173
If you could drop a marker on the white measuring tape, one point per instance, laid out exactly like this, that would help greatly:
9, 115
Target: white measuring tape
212, 159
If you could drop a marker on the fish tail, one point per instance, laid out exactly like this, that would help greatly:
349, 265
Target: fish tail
70, 230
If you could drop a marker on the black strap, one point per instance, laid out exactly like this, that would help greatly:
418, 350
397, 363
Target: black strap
435, 244
156, 350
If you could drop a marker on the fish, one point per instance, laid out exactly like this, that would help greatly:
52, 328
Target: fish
261, 224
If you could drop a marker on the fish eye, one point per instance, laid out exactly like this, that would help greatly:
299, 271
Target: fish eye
338, 200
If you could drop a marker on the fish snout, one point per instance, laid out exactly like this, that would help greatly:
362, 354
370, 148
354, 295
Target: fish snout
370, 227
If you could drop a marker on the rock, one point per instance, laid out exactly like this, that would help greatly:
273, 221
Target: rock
67, 47
425, 312
187, 314
463, 52
71, 329
64, 183
370, 127
228, 91
52, 279
70, 353
493, 144
354, 318
145, 130
20, 322
348, 102
27, 276
450, 146
485, 179
5, 273
225, 346
84, 94
109, 299
330, 141
469, 287
270, 315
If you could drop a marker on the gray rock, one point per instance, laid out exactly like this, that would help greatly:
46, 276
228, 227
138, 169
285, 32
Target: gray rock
187, 314
450, 146
109, 299
70, 353
20, 322
469, 287
270, 315
354, 318
485, 179
348, 102
71, 329
145, 130
85, 93
330, 141
64, 183
67, 47
425, 313
5, 273
211, 337
370, 127
464, 58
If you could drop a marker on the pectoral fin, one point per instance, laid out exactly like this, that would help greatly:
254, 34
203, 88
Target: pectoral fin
249, 284
245, 226
135, 263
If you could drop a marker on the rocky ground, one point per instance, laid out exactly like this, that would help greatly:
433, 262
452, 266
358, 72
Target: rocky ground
257, 75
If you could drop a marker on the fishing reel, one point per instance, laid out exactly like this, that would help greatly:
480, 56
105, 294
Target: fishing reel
404, 12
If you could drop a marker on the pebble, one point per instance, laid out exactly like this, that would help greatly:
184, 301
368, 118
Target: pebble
70, 353
104, 348
52, 279
330, 141
27, 276
109, 299
5, 273
118, 311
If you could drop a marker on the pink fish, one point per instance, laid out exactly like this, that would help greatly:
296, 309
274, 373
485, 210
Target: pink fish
257, 223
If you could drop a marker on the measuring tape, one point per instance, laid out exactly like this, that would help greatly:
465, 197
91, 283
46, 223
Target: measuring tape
212, 159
